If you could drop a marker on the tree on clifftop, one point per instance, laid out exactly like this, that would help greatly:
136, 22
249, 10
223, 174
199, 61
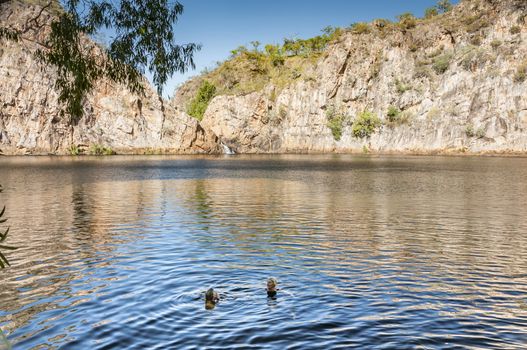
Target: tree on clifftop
142, 39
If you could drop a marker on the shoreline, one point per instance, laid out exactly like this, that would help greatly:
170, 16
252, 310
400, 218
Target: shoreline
163, 152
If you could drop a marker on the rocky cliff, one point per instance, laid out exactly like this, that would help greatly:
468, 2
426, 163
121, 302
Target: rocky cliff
452, 83
456, 82
30, 117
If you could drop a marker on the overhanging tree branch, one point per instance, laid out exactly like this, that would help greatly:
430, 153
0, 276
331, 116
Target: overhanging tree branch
3, 235
143, 40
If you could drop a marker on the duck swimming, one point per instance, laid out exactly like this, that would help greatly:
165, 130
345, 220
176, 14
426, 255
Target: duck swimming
211, 298
271, 287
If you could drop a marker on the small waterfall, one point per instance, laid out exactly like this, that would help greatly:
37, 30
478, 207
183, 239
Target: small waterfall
226, 149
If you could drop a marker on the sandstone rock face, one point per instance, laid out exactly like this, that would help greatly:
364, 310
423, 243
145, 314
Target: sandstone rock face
30, 118
457, 82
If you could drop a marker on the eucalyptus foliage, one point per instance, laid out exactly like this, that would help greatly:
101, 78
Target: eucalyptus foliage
142, 39
3, 236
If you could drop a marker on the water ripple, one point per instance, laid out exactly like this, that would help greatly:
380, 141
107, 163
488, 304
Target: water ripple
369, 252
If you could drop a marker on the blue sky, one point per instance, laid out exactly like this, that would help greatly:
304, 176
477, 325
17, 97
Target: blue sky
223, 25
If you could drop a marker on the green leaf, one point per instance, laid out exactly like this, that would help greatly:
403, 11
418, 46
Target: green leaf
2, 257
4, 236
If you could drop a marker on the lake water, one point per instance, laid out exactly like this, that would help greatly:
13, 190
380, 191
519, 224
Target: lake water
369, 252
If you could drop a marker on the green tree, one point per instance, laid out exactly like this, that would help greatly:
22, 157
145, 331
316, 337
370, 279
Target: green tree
143, 40
360, 28
275, 55
431, 12
442, 62
199, 104
239, 51
365, 125
329, 30
291, 47
256, 45
407, 20
393, 114
444, 6
271, 50
336, 121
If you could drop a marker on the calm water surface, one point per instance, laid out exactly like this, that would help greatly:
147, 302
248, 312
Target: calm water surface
369, 252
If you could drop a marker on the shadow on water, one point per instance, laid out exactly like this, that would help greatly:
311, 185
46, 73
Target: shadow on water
383, 252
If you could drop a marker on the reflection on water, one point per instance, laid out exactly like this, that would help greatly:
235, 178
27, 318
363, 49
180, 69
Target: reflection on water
381, 252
